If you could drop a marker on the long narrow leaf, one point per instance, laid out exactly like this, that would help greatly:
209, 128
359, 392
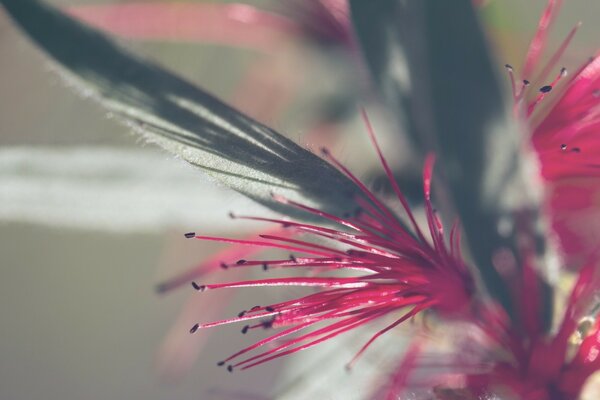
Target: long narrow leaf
431, 60
238, 151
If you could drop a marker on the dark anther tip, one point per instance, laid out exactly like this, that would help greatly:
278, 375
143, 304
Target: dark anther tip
224, 266
508, 66
563, 146
267, 324
546, 89
269, 309
230, 368
526, 82
265, 266
241, 262
245, 329
190, 235
231, 215
241, 314
576, 150
293, 258
194, 328
221, 363
200, 288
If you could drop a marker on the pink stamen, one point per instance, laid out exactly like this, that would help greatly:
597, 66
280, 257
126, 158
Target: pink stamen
539, 40
544, 90
551, 64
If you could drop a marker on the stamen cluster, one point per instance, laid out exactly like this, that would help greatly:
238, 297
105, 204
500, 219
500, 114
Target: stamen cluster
387, 268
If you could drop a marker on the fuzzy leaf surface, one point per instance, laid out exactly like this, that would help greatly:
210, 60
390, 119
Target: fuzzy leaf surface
185, 120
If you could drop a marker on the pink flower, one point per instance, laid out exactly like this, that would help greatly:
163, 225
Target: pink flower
395, 269
536, 366
563, 132
325, 21
515, 357
564, 118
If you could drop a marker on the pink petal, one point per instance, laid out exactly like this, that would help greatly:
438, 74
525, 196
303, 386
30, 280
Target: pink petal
573, 208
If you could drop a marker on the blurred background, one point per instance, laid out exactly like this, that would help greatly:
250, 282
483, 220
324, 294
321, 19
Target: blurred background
91, 218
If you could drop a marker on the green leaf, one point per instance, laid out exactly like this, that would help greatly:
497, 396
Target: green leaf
434, 55
380, 29
236, 150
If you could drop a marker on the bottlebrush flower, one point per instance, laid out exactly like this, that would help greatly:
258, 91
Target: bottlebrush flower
515, 358
564, 119
535, 366
395, 270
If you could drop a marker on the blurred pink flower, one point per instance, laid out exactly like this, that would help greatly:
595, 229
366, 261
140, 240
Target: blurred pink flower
535, 366
233, 24
518, 358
